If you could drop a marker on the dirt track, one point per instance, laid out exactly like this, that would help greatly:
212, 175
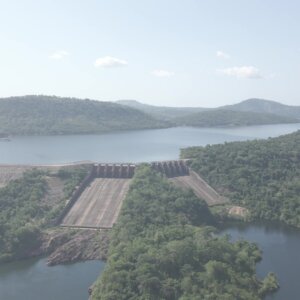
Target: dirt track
201, 188
99, 204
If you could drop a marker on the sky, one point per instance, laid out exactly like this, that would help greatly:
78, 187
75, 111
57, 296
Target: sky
161, 52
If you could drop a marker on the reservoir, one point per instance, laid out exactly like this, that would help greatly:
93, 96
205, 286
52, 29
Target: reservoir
33, 280
129, 146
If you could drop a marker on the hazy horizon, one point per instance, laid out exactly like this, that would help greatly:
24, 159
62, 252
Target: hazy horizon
167, 53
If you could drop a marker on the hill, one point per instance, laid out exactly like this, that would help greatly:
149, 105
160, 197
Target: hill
223, 117
261, 175
162, 112
43, 115
266, 106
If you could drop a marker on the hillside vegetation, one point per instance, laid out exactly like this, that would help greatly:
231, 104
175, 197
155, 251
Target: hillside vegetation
222, 117
162, 248
266, 106
162, 112
246, 113
26, 210
262, 175
43, 115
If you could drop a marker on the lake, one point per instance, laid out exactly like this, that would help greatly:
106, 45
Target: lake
33, 280
129, 146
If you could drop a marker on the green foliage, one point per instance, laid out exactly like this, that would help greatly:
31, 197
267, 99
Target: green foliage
21, 213
72, 177
25, 211
262, 175
270, 284
44, 115
163, 248
223, 117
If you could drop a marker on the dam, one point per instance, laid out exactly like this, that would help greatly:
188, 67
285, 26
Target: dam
97, 201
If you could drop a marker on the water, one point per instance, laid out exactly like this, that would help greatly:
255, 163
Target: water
129, 146
281, 247
33, 280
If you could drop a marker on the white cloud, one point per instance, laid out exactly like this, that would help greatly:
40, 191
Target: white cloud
249, 72
223, 55
59, 54
110, 62
162, 73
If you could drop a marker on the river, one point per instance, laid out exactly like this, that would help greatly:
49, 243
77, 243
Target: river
33, 280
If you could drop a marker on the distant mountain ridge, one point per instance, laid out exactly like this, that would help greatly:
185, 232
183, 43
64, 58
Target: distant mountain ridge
265, 106
166, 112
231, 118
246, 113
250, 105
50, 115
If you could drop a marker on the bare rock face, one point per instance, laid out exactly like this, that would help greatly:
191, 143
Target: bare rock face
69, 245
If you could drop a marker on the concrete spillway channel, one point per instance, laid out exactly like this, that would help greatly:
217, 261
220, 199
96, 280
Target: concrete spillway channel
99, 203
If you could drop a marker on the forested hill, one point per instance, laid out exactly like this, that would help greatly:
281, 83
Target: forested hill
223, 117
266, 106
262, 175
42, 115
162, 112
246, 113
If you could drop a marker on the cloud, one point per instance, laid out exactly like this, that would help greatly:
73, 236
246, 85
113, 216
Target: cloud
162, 73
248, 72
223, 55
110, 62
59, 54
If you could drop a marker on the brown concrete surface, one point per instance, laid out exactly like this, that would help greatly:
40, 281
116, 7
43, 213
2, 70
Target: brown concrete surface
99, 204
200, 187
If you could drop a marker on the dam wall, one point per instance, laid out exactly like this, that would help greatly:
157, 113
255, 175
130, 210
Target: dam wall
96, 203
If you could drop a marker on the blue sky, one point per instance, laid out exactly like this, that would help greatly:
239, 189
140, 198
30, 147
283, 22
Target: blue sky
163, 52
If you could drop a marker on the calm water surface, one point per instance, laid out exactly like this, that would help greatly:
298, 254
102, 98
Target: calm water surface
33, 280
281, 254
130, 146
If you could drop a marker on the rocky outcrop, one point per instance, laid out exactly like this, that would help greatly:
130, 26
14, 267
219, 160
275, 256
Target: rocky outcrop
64, 245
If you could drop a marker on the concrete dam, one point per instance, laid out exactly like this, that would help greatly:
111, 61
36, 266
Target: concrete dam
97, 201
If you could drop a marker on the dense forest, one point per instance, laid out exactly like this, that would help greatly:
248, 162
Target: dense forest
223, 117
262, 175
25, 210
164, 247
44, 115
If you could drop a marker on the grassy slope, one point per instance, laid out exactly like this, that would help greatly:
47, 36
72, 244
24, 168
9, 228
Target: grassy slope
42, 115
